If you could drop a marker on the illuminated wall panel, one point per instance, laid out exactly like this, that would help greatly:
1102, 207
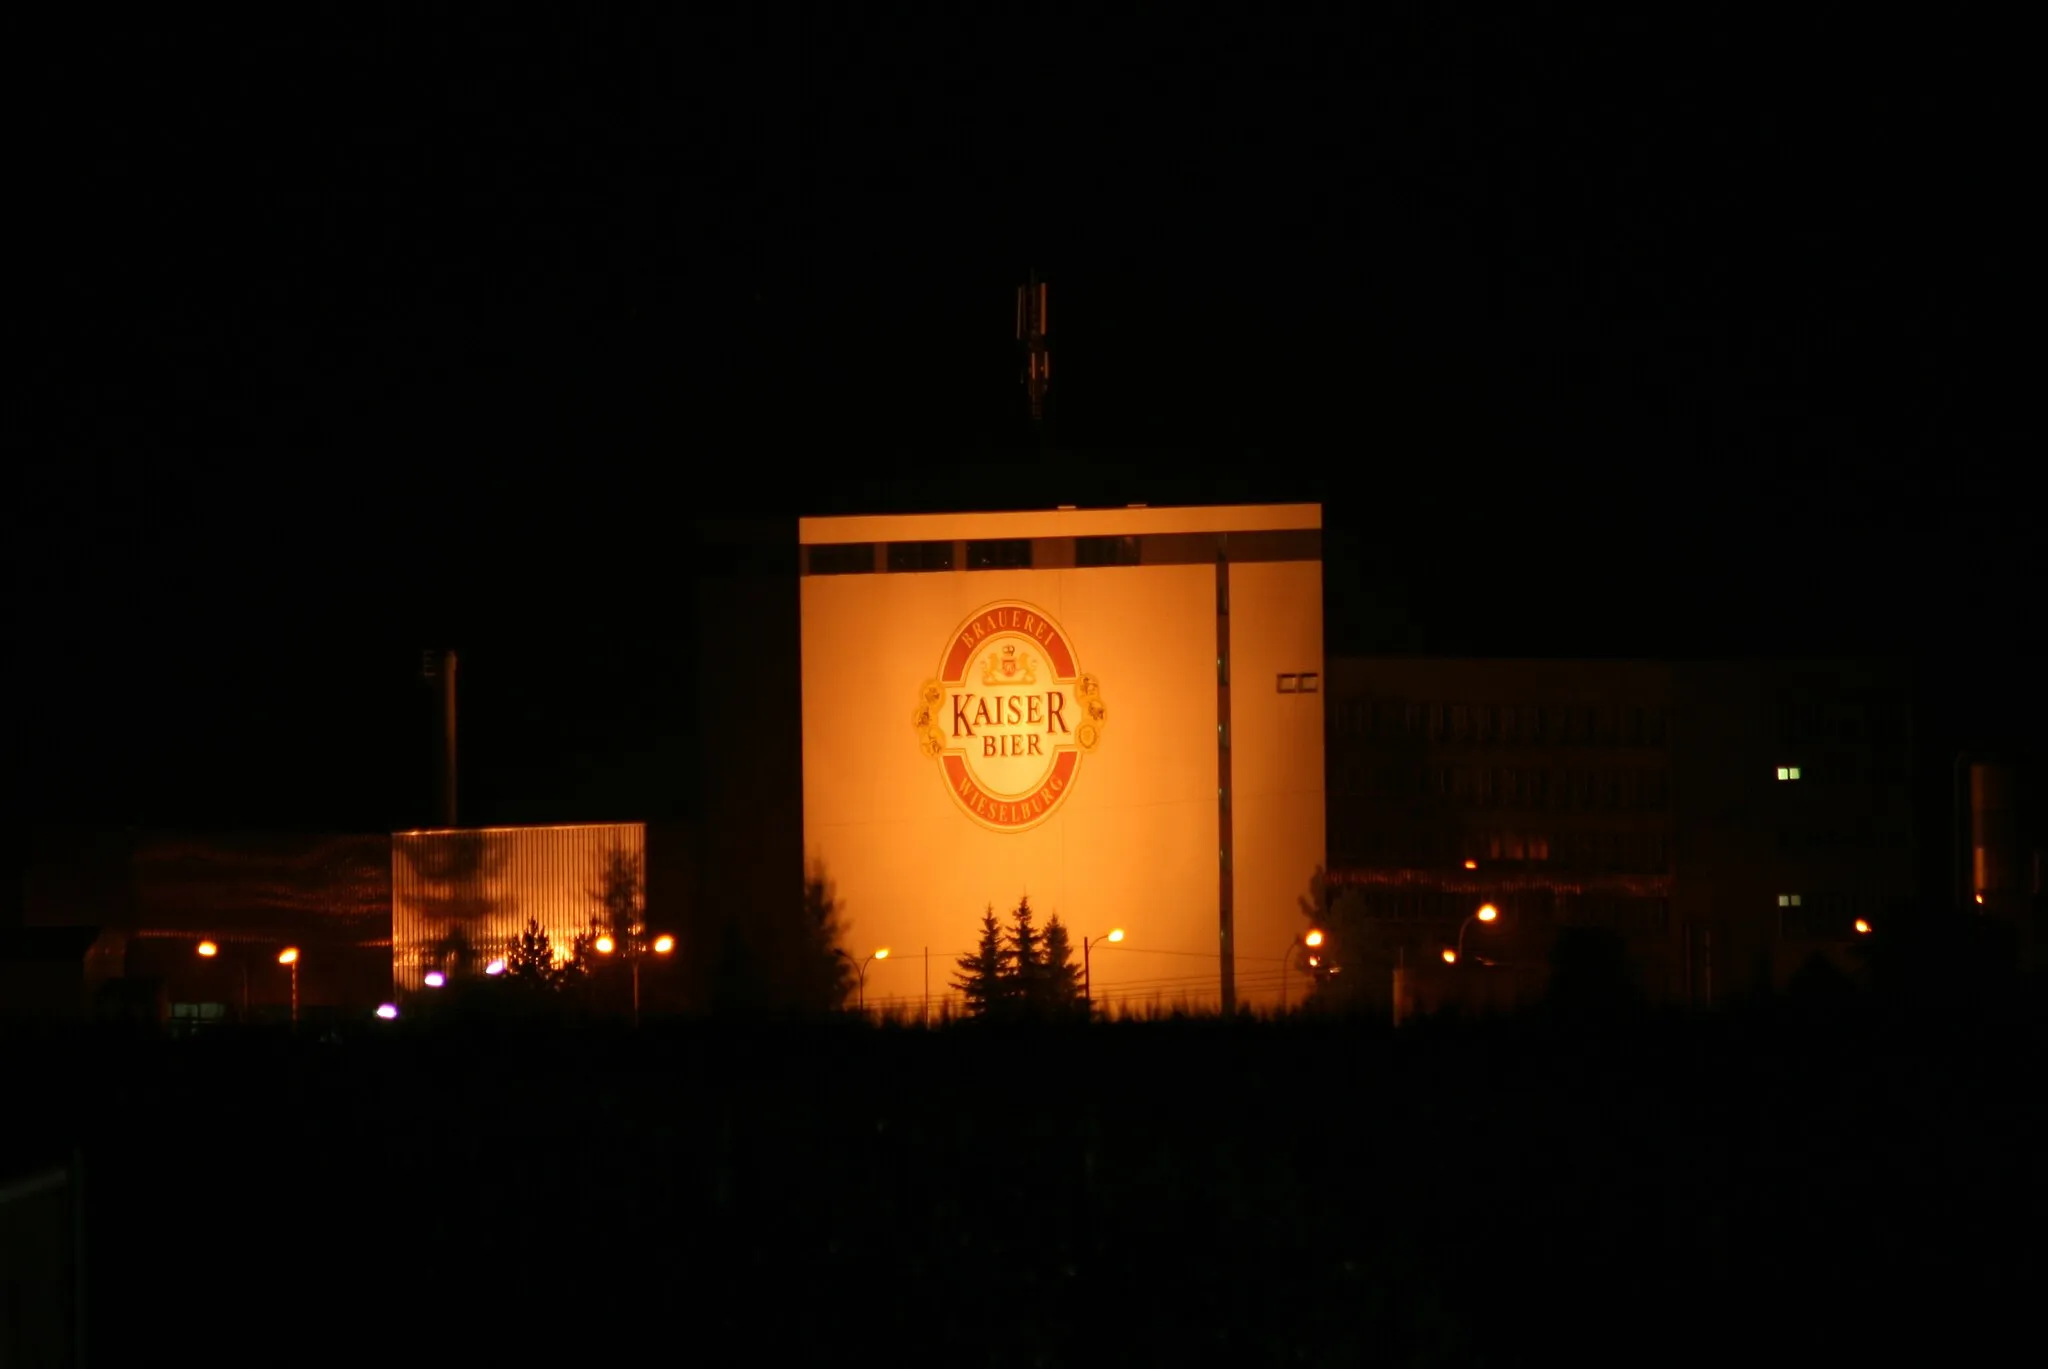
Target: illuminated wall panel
329, 890
1276, 783
973, 733
479, 887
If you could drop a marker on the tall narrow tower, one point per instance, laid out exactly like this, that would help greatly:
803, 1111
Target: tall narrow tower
1031, 331
437, 670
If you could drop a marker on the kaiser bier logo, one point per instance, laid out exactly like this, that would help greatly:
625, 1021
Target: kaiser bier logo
1009, 716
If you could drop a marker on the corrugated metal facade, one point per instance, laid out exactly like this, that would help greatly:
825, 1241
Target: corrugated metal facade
458, 898
320, 890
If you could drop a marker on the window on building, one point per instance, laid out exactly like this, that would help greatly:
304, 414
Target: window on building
1461, 723
187, 1018
1788, 772
1012, 553
1311, 681
1788, 900
1482, 724
1105, 551
920, 556
1537, 847
843, 558
1288, 684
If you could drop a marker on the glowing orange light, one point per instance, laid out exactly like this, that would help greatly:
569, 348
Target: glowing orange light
1450, 956
664, 944
1314, 961
603, 945
1471, 865
208, 948
288, 956
882, 954
1862, 927
1487, 912
1980, 898
1115, 934
1313, 939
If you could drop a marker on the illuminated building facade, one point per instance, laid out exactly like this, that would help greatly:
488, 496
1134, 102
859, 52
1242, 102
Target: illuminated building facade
1117, 713
460, 898
155, 898
1728, 821
1797, 805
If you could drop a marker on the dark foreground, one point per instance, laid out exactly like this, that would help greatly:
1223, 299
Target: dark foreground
1300, 1194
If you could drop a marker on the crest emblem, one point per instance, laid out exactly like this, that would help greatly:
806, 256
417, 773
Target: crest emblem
1009, 716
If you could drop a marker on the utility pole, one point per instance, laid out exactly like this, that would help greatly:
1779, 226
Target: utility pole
1031, 331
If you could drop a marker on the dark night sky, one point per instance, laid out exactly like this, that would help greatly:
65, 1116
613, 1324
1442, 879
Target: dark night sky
1595, 338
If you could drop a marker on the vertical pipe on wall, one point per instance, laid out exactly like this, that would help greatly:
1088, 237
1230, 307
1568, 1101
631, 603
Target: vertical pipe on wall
448, 739
1225, 940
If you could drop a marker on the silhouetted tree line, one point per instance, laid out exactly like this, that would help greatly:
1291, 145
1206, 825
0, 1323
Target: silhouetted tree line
783, 965
1023, 971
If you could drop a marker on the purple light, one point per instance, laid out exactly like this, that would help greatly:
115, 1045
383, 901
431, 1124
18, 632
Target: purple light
387, 1011
495, 967
435, 979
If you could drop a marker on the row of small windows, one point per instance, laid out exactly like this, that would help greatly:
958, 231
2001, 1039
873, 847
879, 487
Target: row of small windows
1828, 915
1106, 551
1502, 725
1645, 791
920, 556
1852, 721
859, 558
1306, 683
1621, 912
1619, 852
1813, 841
1617, 912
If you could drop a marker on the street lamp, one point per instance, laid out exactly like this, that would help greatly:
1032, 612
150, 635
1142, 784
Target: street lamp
1486, 912
435, 979
1115, 935
860, 982
207, 950
661, 945
1313, 941
495, 967
1862, 927
289, 957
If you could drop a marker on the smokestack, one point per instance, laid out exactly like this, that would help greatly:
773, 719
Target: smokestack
437, 669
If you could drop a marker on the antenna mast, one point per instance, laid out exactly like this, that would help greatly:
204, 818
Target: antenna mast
1031, 330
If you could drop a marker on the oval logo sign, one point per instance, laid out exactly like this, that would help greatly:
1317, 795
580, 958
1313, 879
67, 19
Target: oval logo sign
1009, 716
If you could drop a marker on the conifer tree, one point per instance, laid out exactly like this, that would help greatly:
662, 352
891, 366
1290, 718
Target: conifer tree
1062, 977
621, 897
1026, 987
530, 959
982, 979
